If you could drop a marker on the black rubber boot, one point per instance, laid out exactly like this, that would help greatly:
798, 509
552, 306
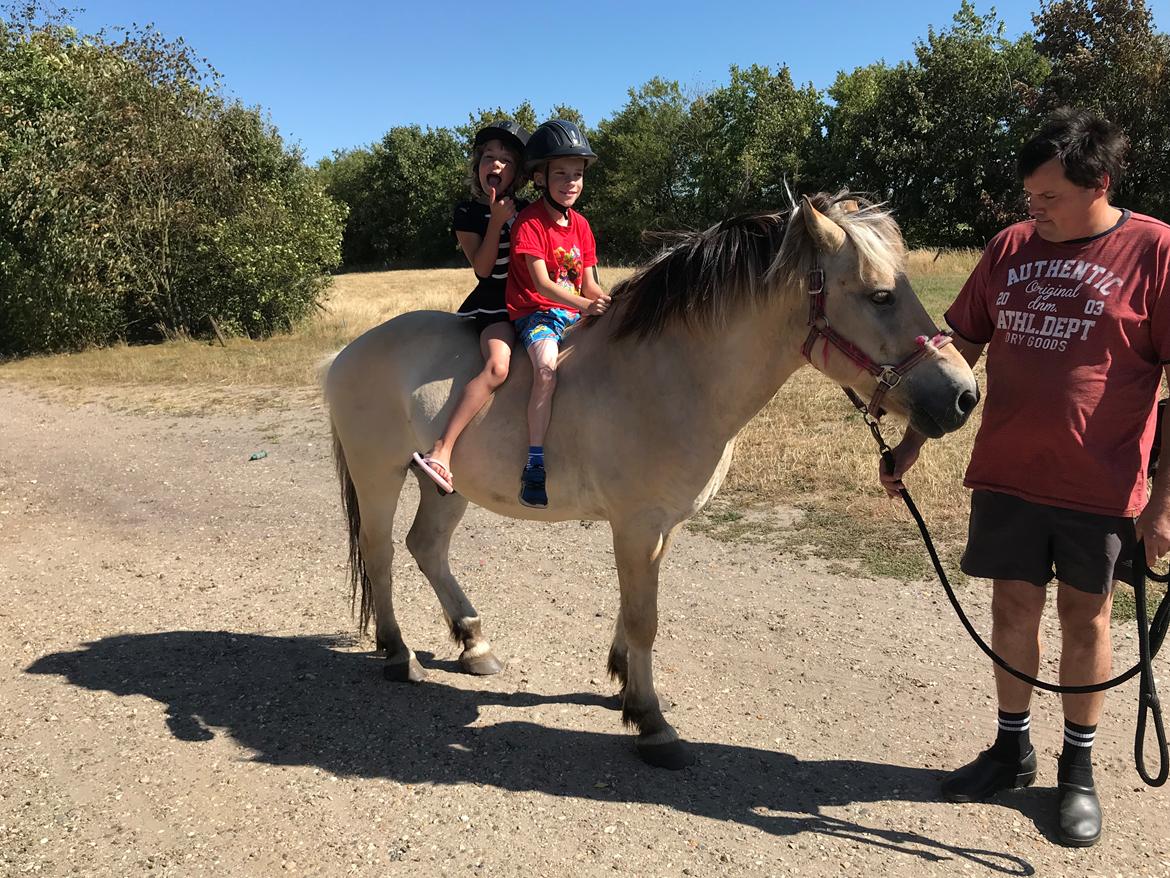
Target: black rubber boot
987, 776
1079, 815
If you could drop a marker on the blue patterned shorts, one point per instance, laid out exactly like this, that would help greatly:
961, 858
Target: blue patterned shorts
543, 325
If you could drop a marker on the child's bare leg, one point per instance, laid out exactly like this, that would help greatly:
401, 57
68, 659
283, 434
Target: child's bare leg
496, 344
544, 381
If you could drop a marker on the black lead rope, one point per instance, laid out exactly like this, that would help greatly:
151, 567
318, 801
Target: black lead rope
1150, 636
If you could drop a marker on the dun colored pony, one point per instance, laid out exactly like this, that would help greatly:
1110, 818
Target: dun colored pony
650, 398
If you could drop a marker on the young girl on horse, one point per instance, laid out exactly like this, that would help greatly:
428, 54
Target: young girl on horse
483, 229
551, 279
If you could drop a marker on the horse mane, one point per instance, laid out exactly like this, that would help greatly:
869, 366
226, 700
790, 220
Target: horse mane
704, 275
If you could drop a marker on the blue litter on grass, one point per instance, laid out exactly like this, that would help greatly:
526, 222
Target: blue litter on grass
258, 455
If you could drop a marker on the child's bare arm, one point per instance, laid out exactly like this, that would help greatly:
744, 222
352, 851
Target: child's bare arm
590, 288
473, 245
538, 271
483, 252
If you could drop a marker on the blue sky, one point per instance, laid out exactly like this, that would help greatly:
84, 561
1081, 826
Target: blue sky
340, 74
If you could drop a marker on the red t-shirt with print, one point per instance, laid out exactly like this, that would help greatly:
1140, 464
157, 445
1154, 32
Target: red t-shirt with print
1077, 333
567, 251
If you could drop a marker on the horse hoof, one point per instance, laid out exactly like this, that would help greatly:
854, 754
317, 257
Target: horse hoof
672, 755
481, 665
404, 672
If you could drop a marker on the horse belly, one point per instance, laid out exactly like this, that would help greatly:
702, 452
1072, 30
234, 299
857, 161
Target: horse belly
490, 455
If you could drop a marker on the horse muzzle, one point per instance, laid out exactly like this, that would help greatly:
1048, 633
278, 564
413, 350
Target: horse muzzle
935, 408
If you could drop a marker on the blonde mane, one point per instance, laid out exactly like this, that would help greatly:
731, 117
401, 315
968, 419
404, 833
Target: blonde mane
702, 276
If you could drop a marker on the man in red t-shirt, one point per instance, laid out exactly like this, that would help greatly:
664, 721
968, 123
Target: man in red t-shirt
551, 277
1073, 307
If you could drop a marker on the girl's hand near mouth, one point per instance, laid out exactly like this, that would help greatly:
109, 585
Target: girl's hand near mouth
502, 210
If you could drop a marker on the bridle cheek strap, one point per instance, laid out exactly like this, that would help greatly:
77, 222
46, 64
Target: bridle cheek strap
887, 376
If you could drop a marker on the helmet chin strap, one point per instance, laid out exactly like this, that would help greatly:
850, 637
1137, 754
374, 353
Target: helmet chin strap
556, 205
564, 211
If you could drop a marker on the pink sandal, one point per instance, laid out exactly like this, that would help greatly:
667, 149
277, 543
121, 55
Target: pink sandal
443, 478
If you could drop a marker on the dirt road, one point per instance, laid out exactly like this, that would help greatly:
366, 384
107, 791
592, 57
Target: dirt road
182, 693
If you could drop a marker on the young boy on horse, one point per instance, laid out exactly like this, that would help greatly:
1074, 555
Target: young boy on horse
550, 280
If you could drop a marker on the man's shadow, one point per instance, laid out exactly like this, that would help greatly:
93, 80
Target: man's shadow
301, 701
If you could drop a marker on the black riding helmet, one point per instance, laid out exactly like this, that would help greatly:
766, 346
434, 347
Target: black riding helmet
507, 132
554, 140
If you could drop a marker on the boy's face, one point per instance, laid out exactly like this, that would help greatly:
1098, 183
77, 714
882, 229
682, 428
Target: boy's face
565, 178
497, 168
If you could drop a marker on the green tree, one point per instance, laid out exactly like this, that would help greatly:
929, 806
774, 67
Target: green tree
417, 175
569, 114
754, 136
980, 93
400, 192
875, 128
1106, 56
937, 137
523, 115
644, 180
347, 176
136, 203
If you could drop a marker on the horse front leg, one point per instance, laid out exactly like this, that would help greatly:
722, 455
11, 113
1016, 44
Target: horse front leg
638, 549
617, 664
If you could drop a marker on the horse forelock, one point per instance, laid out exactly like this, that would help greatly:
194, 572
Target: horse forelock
702, 276
869, 226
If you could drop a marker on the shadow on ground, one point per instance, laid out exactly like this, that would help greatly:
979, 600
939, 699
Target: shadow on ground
302, 701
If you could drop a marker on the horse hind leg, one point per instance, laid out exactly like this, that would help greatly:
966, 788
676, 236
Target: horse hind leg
371, 527
429, 541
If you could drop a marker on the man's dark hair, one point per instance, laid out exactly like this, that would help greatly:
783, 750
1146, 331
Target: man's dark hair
1088, 147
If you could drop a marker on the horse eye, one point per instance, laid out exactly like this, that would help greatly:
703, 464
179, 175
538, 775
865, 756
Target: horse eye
881, 297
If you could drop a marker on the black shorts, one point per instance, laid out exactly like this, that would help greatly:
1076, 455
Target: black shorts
1010, 538
485, 305
483, 320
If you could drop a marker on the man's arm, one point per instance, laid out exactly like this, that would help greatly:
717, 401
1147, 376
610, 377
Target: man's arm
906, 452
1153, 525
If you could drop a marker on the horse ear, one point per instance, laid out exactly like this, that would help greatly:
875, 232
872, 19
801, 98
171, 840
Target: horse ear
849, 206
827, 235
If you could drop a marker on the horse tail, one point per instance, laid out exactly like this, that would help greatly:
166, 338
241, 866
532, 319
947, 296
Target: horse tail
359, 581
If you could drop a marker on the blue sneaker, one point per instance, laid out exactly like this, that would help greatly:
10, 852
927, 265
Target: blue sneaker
532, 487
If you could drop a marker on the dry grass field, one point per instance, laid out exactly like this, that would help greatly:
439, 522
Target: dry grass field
807, 448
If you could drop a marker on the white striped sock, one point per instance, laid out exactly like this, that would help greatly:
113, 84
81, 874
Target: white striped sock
1016, 725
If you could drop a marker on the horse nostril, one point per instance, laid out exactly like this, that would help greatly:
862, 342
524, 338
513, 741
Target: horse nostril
967, 401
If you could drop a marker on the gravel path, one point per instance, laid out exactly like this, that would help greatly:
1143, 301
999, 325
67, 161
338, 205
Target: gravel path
182, 692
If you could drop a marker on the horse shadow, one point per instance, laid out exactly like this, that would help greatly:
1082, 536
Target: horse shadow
301, 701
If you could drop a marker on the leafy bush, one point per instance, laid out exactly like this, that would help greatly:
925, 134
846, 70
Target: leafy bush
136, 203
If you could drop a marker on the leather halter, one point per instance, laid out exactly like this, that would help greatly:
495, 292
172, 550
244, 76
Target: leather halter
887, 376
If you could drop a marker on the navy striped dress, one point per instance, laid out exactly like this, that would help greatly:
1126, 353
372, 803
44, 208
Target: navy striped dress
486, 305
